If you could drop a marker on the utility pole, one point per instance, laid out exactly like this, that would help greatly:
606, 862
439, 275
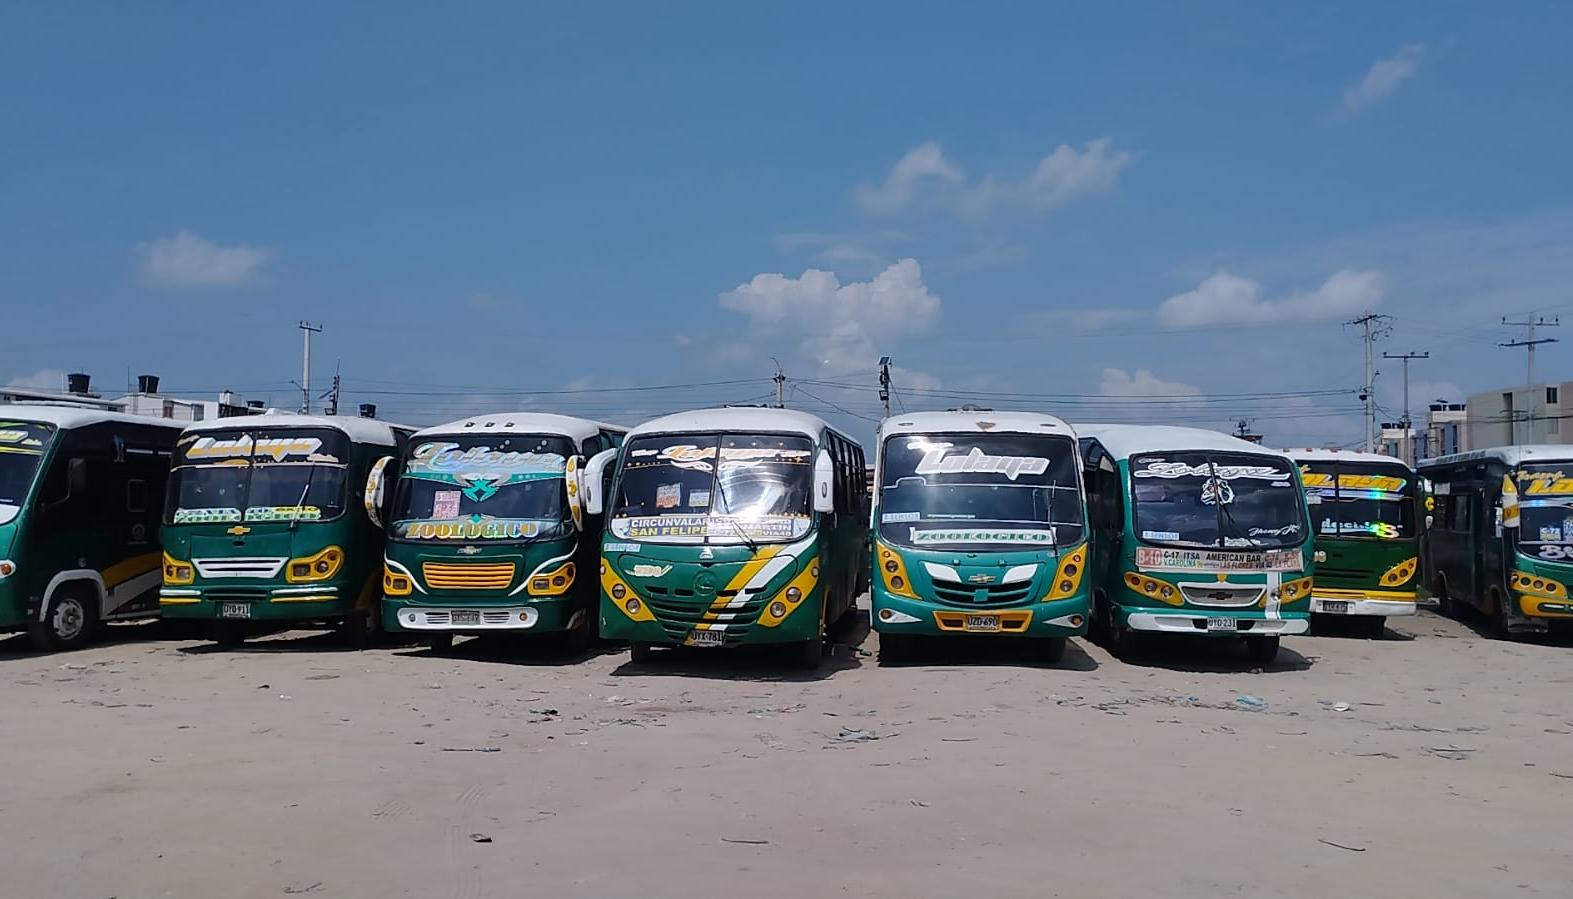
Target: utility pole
780, 380
333, 392
1529, 324
307, 329
884, 383
1409, 426
1375, 326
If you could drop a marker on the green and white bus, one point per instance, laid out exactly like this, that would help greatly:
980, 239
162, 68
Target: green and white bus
980, 528
487, 533
80, 495
729, 527
1195, 532
1366, 526
1501, 542
265, 524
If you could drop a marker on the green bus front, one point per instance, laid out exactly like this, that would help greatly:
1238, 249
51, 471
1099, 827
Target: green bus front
483, 540
713, 540
1540, 579
1210, 543
979, 534
1365, 519
265, 525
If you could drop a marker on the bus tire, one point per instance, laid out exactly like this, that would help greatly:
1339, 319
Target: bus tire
68, 620
1444, 603
576, 640
1051, 650
440, 642
359, 629
641, 653
227, 634
809, 654
896, 648
1375, 627
1499, 616
1262, 650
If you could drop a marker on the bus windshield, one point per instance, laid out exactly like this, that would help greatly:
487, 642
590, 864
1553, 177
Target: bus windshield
22, 447
257, 476
491, 487
1545, 509
1360, 500
1216, 499
980, 491
715, 488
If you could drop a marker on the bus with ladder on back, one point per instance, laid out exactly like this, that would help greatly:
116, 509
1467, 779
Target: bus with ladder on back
265, 524
979, 525
1501, 540
487, 532
81, 492
1366, 527
730, 527
1195, 532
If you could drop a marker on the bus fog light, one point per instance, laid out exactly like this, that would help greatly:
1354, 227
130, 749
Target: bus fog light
524, 616
409, 619
793, 594
1075, 621
778, 609
632, 606
8, 568
885, 615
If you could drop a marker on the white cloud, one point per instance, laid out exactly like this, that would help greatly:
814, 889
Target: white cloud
1117, 382
836, 327
1057, 179
1384, 77
1229, 300
186, 260
43, 379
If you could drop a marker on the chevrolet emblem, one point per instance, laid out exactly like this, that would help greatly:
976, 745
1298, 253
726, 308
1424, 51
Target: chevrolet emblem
982, 579
469, 550
239, 530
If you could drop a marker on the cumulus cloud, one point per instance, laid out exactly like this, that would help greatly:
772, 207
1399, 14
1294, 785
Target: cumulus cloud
1229, 300
186, 260
43, 379
834, 325
1383, 78
1117, 382
924, 174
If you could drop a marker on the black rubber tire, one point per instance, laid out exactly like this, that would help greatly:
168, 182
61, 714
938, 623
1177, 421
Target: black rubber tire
1445, 606
1499, 617
228, 634
809, 654
1374, 627
442, 642
641, 653
1262, 650
1050, 650
360, 629
575, 642
897, 648
68, 622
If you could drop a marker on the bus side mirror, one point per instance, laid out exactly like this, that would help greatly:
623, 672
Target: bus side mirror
377, 489
575, 490
593, 481
824, 483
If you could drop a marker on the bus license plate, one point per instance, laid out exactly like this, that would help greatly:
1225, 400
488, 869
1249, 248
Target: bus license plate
707, 638
1223, 624
466, 616
1338, 606
986, 623
234, 610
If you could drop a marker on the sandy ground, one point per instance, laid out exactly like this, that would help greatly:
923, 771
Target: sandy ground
156, 766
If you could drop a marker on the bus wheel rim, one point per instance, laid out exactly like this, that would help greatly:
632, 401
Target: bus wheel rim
68, 618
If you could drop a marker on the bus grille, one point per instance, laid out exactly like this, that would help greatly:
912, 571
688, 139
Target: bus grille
1224, 596
1345, 574
239, 567
677, 617
479, 576
992, 595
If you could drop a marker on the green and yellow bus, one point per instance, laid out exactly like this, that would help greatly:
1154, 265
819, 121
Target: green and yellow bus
1195, 532
487, 533
265, 524
80, 493
730, 527
980, 528
1365, 525
1501, 542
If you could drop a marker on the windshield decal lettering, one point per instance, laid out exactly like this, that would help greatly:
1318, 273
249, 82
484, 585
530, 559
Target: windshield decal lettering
976, 461
1227, 472
246, 447
1154, 558
1284, 531
668, 496
768, 527
255, 513
476, 527
933, 536
696, 458
1545, 483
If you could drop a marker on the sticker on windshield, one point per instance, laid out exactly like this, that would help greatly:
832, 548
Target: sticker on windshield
475, 527
1380, 529
1550, 534
657, 527
1217, 492
1155, 558
445, 504
899, 517
697, 458
698, 499
933, 536
976, 461
620, 547
668, 496
1158, 469
245, 447
1160, 535
206, 516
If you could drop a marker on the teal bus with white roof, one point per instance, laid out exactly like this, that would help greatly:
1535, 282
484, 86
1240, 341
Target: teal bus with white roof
979, 528
730, 527
1195, 532
486, 530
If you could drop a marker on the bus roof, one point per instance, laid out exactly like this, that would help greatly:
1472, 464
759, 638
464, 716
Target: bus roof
1124, 441
523, 423
736, 419
1343, 455
361, 430
77, 417
1510, 455
975, 422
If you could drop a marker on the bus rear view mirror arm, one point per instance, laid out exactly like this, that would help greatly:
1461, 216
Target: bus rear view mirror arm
824, 483
592, 481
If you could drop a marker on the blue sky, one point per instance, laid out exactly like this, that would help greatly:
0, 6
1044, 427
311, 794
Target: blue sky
1142, 212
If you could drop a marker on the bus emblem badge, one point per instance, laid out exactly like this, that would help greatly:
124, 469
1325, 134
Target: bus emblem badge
469, 550
982, 579
239, 530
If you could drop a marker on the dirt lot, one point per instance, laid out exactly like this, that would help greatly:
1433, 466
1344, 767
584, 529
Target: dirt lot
156, 766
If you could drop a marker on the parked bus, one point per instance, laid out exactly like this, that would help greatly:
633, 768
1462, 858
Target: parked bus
265, 525
980, 528
1195, 532
728, 527
1365, 524
1502, 538
485, 535
79, 519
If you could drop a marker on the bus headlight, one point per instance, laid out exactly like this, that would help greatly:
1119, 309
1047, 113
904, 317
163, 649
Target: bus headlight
8, 568
176, 572
1067, 578
395, 583
778, 609
555, 582
893, 572
319, 567
793, 594
1401, 573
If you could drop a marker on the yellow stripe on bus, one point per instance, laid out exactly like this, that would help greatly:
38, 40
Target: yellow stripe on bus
746, 574
126, 570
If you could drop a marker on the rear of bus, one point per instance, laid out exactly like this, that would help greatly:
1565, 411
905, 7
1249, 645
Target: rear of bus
979, 529
1365, 519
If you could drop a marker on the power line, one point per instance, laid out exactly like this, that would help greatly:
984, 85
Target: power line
1375, 326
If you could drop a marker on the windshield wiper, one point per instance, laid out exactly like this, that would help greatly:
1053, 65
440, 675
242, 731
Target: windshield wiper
1224, 515
295, 518
737, 528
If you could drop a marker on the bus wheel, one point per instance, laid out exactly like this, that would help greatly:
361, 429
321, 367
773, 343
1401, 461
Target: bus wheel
440, 642
228, 634
809, 653
359, 629
641, 653
1262, 650
896, 648
1051, 650
1444, 603
576, 640
1375, 627
68, 621
1499, 616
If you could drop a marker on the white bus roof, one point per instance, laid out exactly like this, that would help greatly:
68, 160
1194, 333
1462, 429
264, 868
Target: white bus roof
522, 423
1343, 455
737, 419
1510, 455
361, 430
964, 422
77, 416
1125, 441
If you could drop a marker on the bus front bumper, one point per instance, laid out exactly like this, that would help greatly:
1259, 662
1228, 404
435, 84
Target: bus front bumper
1197, 623
1357, 603
1060, 618
276, 604
399, 614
